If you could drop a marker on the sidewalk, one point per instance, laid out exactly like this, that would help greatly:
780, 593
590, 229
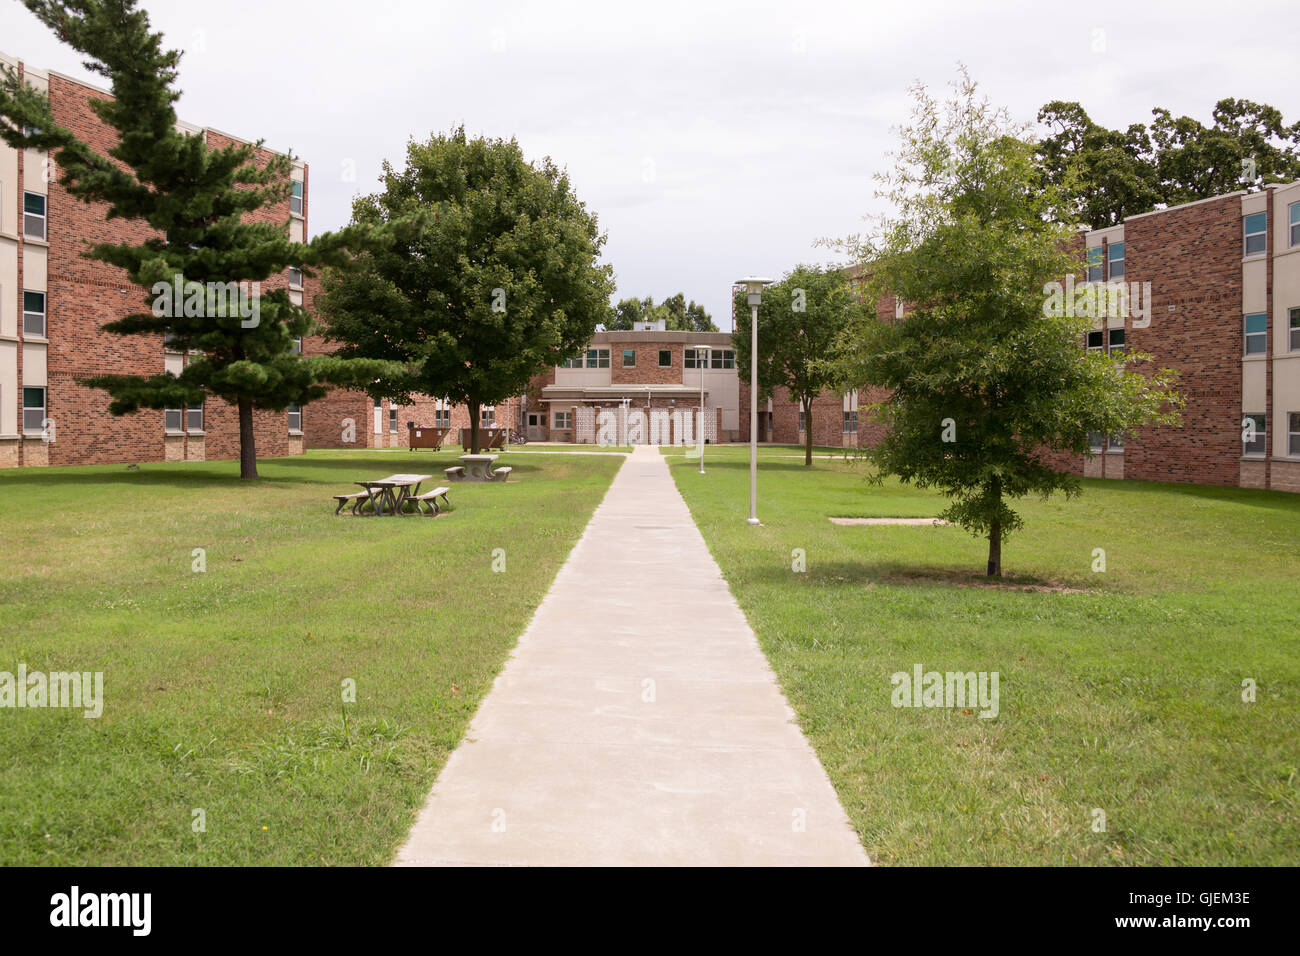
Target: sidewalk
637, 723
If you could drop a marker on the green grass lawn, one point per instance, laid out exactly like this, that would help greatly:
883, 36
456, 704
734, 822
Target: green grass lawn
1119, 691
223, 689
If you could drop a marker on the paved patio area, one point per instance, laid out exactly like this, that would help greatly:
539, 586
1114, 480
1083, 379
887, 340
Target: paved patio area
637, 722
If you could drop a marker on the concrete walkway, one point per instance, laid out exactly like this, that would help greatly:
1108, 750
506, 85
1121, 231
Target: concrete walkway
637, 722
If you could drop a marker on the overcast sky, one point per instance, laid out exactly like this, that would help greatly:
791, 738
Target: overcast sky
712, 140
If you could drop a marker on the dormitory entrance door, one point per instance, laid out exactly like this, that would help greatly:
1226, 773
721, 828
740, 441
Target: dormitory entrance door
535, 430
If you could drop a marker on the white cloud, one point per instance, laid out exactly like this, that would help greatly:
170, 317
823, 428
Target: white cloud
764, 121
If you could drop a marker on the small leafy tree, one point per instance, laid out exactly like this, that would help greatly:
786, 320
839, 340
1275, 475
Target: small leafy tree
490, 278
196, 199
985, 378
800, 320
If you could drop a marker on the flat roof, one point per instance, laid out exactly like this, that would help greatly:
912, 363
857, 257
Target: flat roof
668, 338
108, 93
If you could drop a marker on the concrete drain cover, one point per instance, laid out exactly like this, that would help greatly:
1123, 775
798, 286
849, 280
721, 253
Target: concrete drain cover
931, 522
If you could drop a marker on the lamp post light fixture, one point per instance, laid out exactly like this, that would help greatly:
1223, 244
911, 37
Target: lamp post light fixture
708, 351
754, 287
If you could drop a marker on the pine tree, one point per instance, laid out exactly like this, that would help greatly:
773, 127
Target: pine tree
198, 201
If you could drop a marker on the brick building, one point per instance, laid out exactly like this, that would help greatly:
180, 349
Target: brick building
1223, 276
1224, 310
648, 369
53, 302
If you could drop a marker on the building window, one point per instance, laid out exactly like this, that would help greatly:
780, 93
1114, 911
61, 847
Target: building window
1096, 442
629, 358
392, 419
1256, 229
173, 419
295, 418
1116, 442
1095, 264
1097, 341
1116, 340
34, 314
442, 418
296, 347
35, 225
1256, 333
597, 358
564, 420
802, 422
572, 362
194, 417
1258, 445
1115, 260
33, 409
295, 276
724, 358
486, 415
1295, 223
295, 198
695, 358
1293, 434
850, 423
665, 358
1295, 330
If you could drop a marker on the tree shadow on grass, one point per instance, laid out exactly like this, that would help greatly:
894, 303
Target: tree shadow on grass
900, 574
765, 465
1252, 497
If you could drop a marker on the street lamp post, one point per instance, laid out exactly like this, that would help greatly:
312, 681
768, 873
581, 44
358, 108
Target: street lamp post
707, 350
754, 287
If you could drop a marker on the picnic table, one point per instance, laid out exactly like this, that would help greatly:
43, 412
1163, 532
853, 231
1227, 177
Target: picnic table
479, 467
393, 492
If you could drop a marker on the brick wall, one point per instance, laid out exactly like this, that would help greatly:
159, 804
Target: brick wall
647, 370
83, 295
1192, 258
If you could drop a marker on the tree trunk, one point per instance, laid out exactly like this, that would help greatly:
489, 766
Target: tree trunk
474, 415
995, 531
247, 441
807, 432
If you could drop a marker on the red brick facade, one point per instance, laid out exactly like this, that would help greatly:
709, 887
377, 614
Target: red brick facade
81, 296
1192, 257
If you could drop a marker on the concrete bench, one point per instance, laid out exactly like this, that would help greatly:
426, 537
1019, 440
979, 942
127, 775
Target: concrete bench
430, 500
455, 474
501, 474
357, 498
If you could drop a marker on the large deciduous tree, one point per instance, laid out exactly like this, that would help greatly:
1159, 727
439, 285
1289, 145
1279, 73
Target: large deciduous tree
198, 201
496, 279
986, 377
1109, 174
800, 320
